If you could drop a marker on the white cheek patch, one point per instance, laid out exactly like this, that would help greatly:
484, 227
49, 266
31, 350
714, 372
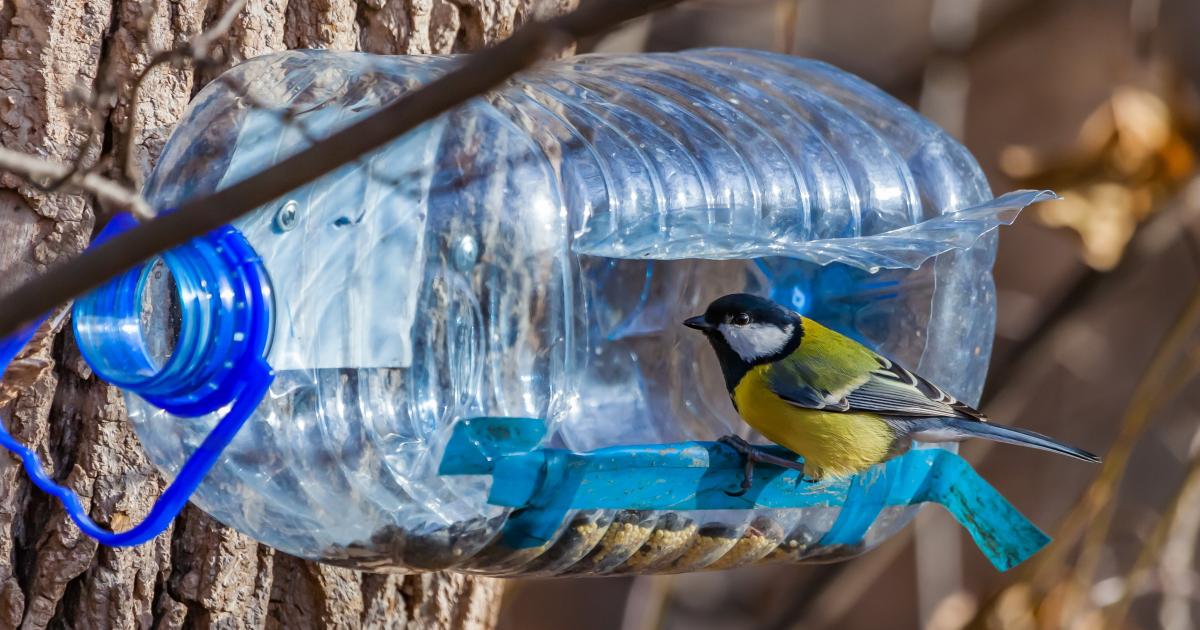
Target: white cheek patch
756, 341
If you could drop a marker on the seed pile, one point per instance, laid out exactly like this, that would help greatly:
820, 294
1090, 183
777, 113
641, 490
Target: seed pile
593, 542
666, 543
629, 531
759, 539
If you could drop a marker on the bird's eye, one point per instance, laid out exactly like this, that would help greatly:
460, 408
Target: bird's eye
741, 319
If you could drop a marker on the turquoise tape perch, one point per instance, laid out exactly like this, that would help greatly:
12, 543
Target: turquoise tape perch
545, 483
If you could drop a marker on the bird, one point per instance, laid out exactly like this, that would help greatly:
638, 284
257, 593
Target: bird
831, 400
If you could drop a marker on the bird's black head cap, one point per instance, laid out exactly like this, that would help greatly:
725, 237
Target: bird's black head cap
747, 330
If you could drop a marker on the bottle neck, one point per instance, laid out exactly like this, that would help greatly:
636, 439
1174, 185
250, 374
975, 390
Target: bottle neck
215, 317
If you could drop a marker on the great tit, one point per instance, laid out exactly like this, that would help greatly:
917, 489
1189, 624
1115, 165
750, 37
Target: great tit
826, 397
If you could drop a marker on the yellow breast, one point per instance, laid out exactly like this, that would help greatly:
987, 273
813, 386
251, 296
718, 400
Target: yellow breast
831, 443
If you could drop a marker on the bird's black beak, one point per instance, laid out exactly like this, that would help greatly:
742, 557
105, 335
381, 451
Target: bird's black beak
699, 323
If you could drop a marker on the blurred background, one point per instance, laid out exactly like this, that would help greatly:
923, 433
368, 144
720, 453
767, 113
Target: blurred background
1099, 308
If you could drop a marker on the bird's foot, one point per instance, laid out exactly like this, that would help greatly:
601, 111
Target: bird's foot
747, 452
752, 455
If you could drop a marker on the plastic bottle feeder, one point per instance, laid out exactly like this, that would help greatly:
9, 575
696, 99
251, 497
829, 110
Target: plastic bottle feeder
464, 350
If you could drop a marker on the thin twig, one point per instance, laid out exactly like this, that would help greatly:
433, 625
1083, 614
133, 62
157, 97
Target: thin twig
789, 15
1089, 516
1175, 569
196, 50
1115, 615
107, 191
479, 74
646, 605
100, 101
202, 42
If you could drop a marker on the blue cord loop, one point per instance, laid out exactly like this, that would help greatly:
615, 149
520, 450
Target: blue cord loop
219, 359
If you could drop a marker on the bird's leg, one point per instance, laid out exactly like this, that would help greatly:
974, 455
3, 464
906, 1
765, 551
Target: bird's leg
758, 455
747, 452
751, 455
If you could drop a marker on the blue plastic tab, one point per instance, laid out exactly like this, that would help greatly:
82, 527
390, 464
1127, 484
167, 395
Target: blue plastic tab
545, 483
1002, 533
476, 443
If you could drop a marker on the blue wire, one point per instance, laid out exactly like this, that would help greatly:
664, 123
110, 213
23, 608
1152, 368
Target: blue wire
177, 494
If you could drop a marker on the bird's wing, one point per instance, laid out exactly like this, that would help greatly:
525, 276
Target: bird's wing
801, 392
895, 391
856, 379
821, 372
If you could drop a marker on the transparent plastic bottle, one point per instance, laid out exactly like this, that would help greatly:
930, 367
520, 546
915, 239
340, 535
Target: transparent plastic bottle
531, 254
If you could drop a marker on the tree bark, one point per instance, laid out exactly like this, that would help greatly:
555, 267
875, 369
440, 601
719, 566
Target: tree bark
198, 573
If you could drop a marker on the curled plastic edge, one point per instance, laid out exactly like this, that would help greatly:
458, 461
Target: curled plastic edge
255, 379
910, 246
902, 248
543, 484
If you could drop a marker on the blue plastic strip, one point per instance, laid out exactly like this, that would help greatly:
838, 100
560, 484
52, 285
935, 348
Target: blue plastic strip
175, 496
1003, 535
244, 384
865, 499
543, 484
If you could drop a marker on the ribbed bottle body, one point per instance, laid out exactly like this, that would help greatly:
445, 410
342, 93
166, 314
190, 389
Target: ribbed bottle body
531, 254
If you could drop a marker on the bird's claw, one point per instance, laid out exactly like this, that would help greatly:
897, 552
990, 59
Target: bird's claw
751, 455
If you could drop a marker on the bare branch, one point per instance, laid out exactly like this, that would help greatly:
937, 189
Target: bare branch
37, 170
100, 102
200, 44
480, 73
198, 51
81, 153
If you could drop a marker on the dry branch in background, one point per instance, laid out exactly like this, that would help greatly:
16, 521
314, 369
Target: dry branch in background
1057, 588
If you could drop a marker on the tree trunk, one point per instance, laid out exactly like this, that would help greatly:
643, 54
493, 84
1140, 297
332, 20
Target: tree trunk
198, 573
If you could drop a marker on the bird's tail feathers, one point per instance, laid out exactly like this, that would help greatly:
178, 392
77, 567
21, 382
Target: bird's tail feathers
939, 429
